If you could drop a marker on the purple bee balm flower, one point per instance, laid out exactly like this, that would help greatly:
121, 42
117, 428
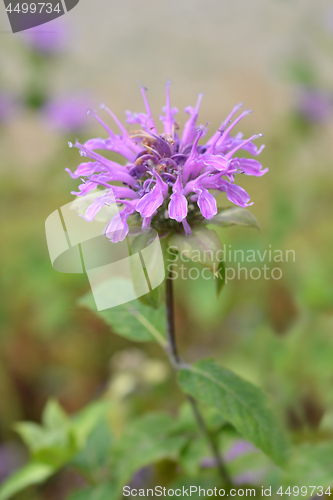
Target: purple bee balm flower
167, 177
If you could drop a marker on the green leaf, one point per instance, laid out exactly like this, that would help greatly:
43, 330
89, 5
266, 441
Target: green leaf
57, 449
49, 446
62, 437
187, 423
150, 439
202, 246
54, 416
234, 217
192, 454
220, 278
84, 422
55, 444
105, 491
33, 435
240, 402
310, 464
33, 473
95, 456
154, 298
132, 320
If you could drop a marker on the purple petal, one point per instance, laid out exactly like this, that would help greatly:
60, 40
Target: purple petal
84, 169
192, 169
117, 228
242, 144
207, 203
192, 165
205, 200
219, 162
115, 143
96, 206
178, 202
146, 223
232, 142
124, 192
214, 139
186, 227
168, 120
151, 201
140, 118
225, 134
236, 194
195, 185
85, 188
97, 143
150, 124
190, 129
249, 166
116, 174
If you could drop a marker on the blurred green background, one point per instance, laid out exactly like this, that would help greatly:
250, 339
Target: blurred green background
276, 57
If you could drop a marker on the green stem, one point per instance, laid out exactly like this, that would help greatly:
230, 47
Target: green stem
177, 363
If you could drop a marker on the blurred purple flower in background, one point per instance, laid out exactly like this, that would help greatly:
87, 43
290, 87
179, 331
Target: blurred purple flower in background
8, 106
238, 449
67, 113
11, 458
167, 177
47, 39
314, 105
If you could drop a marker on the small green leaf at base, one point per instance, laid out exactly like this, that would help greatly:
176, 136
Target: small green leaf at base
149, 439
132, 320
202, 246
33, 473
310, 464
54, 416
234, 217
239, 402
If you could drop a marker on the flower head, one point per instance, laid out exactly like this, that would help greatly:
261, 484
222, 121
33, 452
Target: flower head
167, 177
